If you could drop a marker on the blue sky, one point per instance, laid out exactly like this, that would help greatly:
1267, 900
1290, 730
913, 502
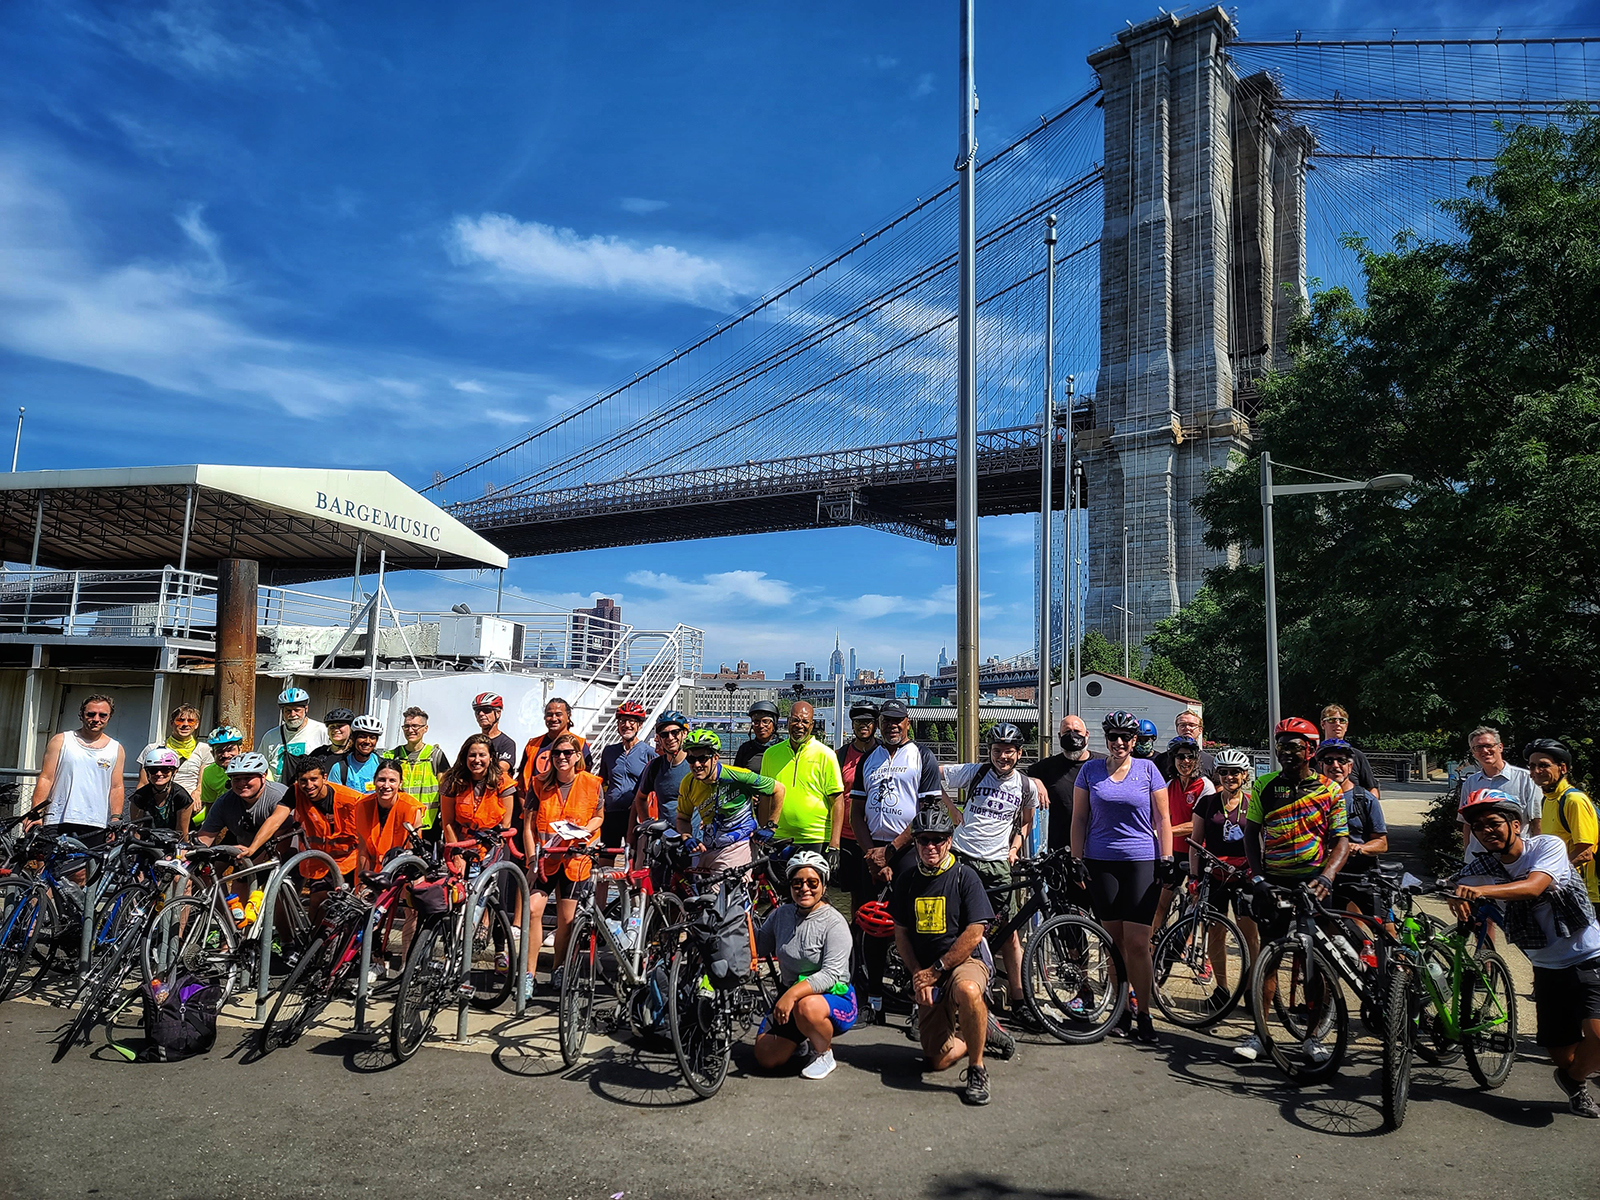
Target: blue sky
395, 236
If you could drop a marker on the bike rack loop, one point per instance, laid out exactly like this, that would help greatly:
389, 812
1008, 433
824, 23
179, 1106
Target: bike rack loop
519, 939
91, 897
394, 864
269, 905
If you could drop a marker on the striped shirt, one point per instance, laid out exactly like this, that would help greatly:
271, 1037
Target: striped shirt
1298, 822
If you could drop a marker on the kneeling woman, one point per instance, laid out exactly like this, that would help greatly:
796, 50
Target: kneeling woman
811, 941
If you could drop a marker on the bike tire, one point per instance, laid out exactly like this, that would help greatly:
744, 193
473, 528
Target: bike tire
188, 932
1399, 1003
1073, 979
300, 1000
490, 985
579, 985
1183, 956
101, 983
1490, 1053
701, 1039
1283, 1024
20, 913
429, 967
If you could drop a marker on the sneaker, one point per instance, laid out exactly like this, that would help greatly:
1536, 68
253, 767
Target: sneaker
1314, 1052
549, 941
976, 1090
998, 1043
1205, 975
1579, 1098
1124, 1026
875, 1007
502, 961
1145, 1031
1248, 1050
819, 1067
530, 986
555, 979
1022, 1017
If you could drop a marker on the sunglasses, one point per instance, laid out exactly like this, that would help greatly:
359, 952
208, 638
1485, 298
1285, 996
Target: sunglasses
808, 884
1186, 754
933, 841
1231, 771
483, 708
563, 754
697, 758
159, 770
1122, 737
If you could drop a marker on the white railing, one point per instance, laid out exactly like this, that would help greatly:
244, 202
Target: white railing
164, 603
676, 662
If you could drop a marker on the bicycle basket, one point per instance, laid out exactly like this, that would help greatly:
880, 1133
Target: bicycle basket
436, 893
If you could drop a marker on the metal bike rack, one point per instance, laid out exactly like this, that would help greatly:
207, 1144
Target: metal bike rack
91, 897
394, 864
518, 957
269, 905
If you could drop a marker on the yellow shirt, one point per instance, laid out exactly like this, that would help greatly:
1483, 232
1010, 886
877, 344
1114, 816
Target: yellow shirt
1569, 814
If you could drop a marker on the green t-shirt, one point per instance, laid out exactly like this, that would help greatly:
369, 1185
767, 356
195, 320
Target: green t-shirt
809, 777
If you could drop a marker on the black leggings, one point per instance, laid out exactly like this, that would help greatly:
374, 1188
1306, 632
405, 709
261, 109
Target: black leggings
1123, 890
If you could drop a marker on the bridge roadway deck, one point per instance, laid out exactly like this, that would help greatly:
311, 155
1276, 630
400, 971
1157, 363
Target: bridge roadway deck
906, 488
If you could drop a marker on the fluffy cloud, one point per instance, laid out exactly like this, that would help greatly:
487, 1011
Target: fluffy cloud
637, 204
726, 587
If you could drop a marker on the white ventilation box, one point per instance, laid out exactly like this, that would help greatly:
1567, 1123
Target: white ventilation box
480, 637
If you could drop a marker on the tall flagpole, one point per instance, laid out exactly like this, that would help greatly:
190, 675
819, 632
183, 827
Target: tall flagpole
967, 410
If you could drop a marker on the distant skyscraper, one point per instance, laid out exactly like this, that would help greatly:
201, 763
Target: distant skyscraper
852, 673
944, 659
902, 666
836, 659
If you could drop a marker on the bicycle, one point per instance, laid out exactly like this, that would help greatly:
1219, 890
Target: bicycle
614, 958
1194, 954
41, 905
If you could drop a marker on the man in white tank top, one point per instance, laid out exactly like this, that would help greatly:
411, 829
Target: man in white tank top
82, 772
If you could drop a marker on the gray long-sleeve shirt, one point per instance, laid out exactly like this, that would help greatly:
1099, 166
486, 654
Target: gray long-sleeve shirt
816, 946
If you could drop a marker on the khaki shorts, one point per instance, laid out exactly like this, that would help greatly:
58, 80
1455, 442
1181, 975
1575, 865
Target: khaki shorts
940, 1025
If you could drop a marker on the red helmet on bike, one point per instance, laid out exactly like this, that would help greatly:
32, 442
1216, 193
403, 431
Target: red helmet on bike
874, 919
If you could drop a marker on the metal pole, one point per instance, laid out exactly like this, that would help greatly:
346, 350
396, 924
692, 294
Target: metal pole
1047, 438
33, 560
1274, 704
838, 712
1069, 613
1126, 606
188, 524
1077, 604
967, 410
16, 446
355, 580
372, 636
238, 586
499, 589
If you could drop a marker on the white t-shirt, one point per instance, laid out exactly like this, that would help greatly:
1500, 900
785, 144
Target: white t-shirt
894, 782
302, 741
1546, 853
989, 815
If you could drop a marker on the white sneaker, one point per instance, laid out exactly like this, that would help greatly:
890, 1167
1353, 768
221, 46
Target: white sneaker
1315, 1052
549, 940
1248, 1050
819, 1067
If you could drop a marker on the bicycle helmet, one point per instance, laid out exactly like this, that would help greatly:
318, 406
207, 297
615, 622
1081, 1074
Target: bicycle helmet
932, 819
632, 709
671, 717
293, 695
1490, 800
1183, 742
1005, 734
807, 858
702, 739
1297, 727
487, 700
367, 723
1120, 721
864, 710
248, 763
763, 708
1336, 746
874, 919
1233, 758
339, 716
224, 735
1145, 747
159, 756
1550, 748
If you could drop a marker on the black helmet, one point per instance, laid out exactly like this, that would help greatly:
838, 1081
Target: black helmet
339, 716
864, 710
1548, 746
932, 819
1120, 721
763, 708
1005, 734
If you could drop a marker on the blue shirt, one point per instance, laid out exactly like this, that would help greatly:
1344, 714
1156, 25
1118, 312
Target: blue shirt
620, 772
352, 774
1120, 823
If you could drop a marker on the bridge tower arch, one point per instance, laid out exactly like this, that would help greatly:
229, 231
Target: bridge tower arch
1202, 261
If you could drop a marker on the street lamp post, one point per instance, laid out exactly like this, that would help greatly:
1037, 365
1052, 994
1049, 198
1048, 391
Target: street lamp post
1269, 492
1047, 433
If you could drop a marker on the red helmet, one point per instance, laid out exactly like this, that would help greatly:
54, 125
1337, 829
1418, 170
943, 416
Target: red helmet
634, 709
487, 700
1297, 727
874, 919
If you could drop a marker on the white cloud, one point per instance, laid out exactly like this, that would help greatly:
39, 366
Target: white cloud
727, 587
468, 385
636, 204
530, 252
215, 41
923, 86
885, 63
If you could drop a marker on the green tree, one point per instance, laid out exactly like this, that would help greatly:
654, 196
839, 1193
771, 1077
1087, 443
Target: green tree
1161, 672
1100, 653
1473, 366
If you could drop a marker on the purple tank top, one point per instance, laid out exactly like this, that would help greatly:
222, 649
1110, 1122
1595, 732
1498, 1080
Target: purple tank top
1120, 823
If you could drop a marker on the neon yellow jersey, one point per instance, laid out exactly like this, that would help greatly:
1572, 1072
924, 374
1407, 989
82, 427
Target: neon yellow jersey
1569, 814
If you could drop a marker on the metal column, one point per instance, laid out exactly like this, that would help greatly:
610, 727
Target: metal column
1047, 437
1070, 632
188, 524
967, 410
372, 636
237, 582
1273, 700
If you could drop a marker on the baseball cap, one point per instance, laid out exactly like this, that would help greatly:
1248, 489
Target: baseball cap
894, 710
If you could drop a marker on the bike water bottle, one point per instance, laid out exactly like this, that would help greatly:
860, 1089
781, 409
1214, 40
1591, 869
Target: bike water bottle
630, 934
252, 906
236, 909
1343, 946
1436, 973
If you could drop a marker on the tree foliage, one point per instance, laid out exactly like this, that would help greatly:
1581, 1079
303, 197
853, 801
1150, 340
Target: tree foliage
1474, 366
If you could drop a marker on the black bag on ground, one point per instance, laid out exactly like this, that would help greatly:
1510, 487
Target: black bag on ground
181, 1018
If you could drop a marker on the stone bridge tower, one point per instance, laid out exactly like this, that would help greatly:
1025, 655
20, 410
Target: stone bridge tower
1202, 262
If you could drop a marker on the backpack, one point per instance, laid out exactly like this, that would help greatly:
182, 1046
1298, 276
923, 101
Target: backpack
1573, 793
181, 1018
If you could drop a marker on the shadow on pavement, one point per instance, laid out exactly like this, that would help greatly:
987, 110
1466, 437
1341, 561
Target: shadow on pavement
971, 1186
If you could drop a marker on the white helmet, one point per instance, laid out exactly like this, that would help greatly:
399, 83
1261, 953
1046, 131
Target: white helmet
366, 723
249, 763
807, 858
293, 695
159, 756
1233, 758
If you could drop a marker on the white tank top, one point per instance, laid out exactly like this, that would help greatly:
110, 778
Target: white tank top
81, 794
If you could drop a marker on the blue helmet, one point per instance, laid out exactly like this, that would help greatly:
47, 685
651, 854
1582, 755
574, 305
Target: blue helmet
1183, 742
671, 717
294, 695
1147, 729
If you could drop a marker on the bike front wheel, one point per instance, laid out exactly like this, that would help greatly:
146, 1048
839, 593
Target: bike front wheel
701, 1032
188, 934
580, 979
425, 984
1399, 1005
301, 999
1489, 1020
1202, 967
1073, 979
1299, 1005
21, 915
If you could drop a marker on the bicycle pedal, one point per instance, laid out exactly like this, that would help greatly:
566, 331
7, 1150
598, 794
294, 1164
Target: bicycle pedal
466, 990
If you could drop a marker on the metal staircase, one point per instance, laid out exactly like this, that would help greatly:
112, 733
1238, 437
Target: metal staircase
658, 664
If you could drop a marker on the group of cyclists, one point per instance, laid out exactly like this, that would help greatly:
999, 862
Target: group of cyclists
926, 852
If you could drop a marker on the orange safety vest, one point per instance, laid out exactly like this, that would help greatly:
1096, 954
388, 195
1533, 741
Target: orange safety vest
466, 810
536, 760
378, 840
335, 836
583, 801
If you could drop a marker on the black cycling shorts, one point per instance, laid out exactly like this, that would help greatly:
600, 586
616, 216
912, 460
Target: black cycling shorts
1564, 998
1123, 890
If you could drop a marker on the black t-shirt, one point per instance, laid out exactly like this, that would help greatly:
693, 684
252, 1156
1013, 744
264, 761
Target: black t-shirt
165, 813
936, 908
1058, 773
1220, 836
243, 821
663, 777
1361, 771
749, 754
505, 751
